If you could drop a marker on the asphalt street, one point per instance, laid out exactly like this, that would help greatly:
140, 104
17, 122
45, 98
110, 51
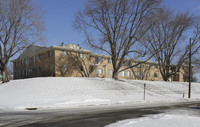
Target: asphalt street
87, 118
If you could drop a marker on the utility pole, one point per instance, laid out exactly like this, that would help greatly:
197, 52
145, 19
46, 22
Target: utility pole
144, 91
190, 69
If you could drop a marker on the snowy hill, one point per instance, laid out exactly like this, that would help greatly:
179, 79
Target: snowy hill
59, 92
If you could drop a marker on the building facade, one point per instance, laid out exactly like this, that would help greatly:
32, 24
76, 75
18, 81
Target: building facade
73, 61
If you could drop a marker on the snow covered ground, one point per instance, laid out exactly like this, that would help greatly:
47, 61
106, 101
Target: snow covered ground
62, 92
161, 120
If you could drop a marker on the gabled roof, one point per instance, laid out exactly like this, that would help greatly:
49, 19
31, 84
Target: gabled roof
30, 50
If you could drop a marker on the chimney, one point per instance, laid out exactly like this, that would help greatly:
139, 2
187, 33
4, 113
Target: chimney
62, 43
78, 46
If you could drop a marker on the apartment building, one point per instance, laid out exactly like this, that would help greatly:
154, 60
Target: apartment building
73, 61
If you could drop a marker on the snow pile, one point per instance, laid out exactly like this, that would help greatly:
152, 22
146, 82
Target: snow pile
160, 120
57, 92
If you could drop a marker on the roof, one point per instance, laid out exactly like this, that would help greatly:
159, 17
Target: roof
31, 50
35, 49
71, 47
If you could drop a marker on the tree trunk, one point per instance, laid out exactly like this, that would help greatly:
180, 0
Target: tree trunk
4, 74
115, 75
166, 78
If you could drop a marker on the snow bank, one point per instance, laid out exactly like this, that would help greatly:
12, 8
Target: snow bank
162, 120
59, 92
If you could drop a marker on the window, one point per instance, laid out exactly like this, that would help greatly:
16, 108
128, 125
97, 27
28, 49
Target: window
21, 73
89, 58
148, 75
15, 64
137, 65
99, 71
156, 66
155, 75
80, 55
15, 74
49, 53
147, 65
109, 60
122, 74
26, 72
81, 68
49, 67
137, 74
35, 59
40, 56
110, 72
21, 62
64, 53
26, 61
126, 63
127, 73
40, 69
65, 66
98, 59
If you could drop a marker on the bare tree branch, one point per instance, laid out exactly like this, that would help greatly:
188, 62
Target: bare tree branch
120, 24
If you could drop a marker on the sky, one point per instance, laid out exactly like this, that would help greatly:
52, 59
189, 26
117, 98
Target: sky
60, 14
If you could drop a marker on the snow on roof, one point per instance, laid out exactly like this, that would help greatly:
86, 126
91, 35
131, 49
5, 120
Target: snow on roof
71, 47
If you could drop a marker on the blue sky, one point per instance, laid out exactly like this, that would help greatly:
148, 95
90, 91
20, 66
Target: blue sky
60, 14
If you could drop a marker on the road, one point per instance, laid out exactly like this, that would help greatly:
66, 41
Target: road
91, 117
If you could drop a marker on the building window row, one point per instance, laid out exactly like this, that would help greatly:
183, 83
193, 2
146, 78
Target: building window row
99, 71
109, 60
34, 58
137, 74
80, 55
125, 74
110, 72
98, 59
155, 75
64, 53
138, 66
126, 63
148, 75
49, 53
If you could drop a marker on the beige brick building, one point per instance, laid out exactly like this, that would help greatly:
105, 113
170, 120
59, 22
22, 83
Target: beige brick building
73, 61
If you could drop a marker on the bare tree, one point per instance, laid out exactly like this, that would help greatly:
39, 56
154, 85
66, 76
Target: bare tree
74, 62
64, 66
118, 24
167, 35
20, 26
196, 67
195, 50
